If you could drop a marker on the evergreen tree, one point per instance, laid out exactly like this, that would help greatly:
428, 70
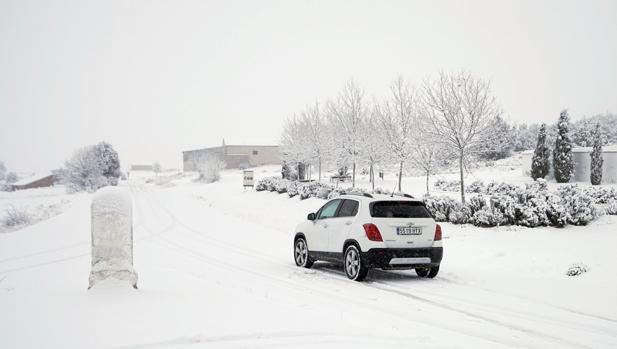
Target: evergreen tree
540, 164
562, 154
596, 157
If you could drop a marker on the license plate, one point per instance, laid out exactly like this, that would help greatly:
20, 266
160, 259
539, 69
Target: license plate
408, 230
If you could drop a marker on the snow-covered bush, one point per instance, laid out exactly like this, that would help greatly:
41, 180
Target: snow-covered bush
444, 185
577, 269
281, 186
580, 207
445, 209
611, 207
91, 168
262, 184
292, 188
16, 216
476, 186
209, 167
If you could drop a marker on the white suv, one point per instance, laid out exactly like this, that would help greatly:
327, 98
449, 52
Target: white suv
366, 231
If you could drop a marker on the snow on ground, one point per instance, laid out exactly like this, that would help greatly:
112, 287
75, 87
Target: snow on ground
39, 204
216, 270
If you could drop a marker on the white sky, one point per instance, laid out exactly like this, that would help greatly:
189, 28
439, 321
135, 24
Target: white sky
158, 77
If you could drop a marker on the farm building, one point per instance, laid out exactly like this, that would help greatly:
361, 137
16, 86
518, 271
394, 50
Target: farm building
582, 164
234, 156
35, 181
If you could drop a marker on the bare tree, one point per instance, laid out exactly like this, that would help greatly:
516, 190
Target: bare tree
397, 119
460, 109
293, 143
347, 115
374, 146
316, 135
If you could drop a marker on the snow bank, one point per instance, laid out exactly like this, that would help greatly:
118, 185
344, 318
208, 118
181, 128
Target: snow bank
112, 236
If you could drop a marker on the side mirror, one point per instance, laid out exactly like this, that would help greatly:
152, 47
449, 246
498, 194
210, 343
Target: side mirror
311, 217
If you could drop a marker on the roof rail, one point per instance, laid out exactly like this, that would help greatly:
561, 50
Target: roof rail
367, 195
404, 195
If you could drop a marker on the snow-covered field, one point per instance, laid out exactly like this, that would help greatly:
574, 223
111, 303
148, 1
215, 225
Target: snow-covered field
216, 270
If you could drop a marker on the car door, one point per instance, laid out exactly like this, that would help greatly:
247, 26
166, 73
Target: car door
319, 232
339, 226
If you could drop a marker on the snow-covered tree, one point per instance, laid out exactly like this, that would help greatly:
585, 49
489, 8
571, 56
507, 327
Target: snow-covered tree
316, 136
502, 143
294, 144
460, 111
540, 163
91, 168
347, 115
109, 161
563, 164
2, 170
209, 167
374, 149
11, 178
596, 157
397, 118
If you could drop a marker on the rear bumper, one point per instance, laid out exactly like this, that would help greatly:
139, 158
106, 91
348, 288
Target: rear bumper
393, 258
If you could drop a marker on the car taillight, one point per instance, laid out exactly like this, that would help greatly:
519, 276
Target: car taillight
437, 232
372, 233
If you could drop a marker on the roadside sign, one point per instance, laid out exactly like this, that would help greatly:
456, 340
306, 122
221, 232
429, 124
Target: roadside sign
248, 179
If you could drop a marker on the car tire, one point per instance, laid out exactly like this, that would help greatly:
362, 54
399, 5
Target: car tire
433, 271
301, 254
429, 272
353, 264
422, 272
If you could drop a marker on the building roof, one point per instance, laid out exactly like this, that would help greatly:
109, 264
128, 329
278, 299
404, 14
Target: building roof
605, 149
232, 146
31, 179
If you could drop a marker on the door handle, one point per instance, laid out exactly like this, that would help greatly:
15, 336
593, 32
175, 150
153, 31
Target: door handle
348, 223
325, 225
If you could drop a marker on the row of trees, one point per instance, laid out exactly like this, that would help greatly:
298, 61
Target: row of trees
563, 164
447, 117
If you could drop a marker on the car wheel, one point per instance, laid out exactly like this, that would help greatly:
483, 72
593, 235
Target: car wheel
433, 272
422, 272
354, 268
301, 254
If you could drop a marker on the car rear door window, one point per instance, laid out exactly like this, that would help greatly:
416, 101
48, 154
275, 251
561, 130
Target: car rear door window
399, 209
349, 208
329, 209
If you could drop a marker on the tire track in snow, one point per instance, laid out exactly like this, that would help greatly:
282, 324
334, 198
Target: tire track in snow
490, 308
239, 249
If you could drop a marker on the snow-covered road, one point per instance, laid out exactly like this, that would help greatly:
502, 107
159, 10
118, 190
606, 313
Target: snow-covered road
215, 270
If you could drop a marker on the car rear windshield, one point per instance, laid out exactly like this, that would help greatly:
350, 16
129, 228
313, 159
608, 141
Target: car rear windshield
399, 209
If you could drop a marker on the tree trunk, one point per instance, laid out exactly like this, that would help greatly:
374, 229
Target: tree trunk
353, 176
372, 175
460, 161
319, 165
427, 175
400, 178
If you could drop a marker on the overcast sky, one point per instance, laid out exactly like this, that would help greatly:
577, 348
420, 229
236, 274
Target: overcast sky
158, 77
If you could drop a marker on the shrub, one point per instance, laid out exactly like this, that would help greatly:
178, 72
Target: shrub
475, 187
14, 216
577, 269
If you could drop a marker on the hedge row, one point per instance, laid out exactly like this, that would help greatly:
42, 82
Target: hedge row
531, 206
497, 204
